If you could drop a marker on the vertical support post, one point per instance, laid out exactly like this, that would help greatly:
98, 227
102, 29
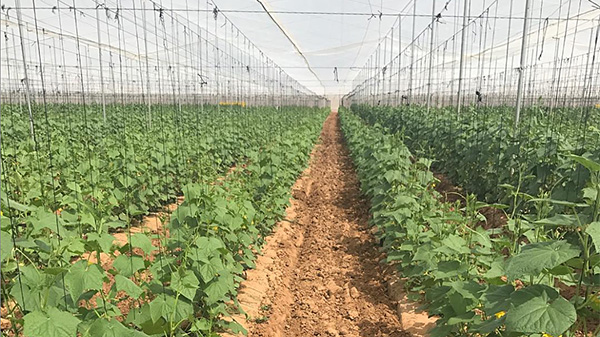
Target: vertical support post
377, 72
100, 62
431, 46
26, 78
368, 80
399, 95
148, 94
175, 32
391, 66
412, 52
522, 63
462, 56
383, 71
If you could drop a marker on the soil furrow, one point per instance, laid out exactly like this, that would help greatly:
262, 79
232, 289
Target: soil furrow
320, 275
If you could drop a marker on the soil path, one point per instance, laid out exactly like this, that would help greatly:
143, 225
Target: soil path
320, 274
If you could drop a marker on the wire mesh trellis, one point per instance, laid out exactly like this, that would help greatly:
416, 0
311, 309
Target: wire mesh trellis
114, 110
155, 48
502, 100
483, 53
493, 89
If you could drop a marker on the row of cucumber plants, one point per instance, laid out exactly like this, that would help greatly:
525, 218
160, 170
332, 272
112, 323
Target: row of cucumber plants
178, 284
537, 280
76, 153
481, 151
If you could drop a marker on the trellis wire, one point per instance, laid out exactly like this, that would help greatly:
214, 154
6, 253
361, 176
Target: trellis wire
485, 59
85, 61
490, 46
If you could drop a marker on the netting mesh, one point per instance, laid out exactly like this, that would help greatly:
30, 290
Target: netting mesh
147, 148
478, 60
111, 113
136, 52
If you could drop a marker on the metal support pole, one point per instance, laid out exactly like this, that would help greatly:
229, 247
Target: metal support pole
146, 57
522, 63
26, 78
431, 46
383, 71
391, 66
100, 63
399, 95
412, 52
377, 72
462, 57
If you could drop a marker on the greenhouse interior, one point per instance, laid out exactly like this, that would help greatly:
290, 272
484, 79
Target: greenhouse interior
280, 168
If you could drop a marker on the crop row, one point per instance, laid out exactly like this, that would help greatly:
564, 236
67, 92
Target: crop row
481, 151
533, 277
85, 180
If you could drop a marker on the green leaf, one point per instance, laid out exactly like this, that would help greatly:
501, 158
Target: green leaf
590, 193
464, 318
538, 256
539, 309
561, 270
482, 237
185, 283
489, 326
6, 245
128, 265
497, 299
52, 323
128, 286
207, 272
393, 175
593, 230
216, 290
469, 289
16, 205
169, 308
81, 277
447, 269
208, 245
112, 328
560, 202
424, 253
496, 270
586, 162
46, 219
233, 326
142, 241
458, 303
75, 245
441, 330
456, 244
559, 220
201, 325
103, 240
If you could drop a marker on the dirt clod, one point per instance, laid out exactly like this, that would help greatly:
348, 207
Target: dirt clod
354, 292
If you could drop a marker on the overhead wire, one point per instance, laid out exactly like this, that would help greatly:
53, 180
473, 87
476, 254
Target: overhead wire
291, 40
334, 13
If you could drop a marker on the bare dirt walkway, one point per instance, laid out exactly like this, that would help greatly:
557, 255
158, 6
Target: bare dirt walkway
321, 274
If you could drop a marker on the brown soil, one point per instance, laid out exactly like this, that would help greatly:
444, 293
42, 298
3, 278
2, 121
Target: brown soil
450, 192
320, 273
495, 218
